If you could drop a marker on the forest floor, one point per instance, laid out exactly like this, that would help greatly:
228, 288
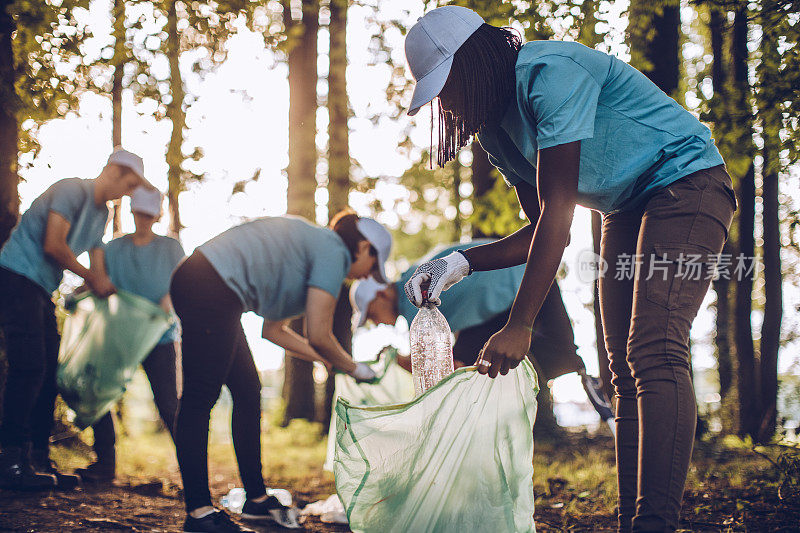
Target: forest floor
730, 488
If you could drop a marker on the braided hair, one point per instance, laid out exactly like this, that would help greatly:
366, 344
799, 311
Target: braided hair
480, 86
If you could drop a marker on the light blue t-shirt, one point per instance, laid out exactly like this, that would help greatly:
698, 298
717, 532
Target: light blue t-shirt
634, 138
73, 199
145, 270
271, 262
475, 299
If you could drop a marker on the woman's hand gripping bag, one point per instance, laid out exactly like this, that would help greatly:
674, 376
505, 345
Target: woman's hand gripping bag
103, 341
459, 458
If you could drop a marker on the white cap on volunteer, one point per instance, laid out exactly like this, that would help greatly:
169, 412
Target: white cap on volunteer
361, 295
127, 159
147, 200
380, 238
430, 45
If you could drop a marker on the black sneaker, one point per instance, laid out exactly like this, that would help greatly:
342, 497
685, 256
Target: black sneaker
16, 472
98, 472
216, 522
41, 462
271, 509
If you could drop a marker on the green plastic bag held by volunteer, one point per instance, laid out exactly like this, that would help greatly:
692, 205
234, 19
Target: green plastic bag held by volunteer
103, 341
458, 458
393, 385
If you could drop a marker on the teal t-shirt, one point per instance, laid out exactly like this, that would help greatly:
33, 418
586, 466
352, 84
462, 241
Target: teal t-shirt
145, 270
475, 299
271, 262
73, 199
634, 138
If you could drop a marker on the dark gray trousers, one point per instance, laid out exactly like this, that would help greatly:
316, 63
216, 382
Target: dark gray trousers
673, 241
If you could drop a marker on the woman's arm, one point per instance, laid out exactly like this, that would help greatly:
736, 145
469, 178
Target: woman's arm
557, 183
320, 306
279, 332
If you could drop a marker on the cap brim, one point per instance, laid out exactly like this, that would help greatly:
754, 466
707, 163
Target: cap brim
429, 86
379, 272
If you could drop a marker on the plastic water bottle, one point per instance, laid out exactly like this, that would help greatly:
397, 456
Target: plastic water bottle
431, 348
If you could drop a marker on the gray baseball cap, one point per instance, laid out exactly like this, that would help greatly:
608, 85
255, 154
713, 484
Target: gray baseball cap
147, 200
380, 238
129, 160
430, 45
361, 295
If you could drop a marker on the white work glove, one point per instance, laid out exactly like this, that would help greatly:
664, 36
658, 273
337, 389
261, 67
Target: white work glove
441, 274
363, 372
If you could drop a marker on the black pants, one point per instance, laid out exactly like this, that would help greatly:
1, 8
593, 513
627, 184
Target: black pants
553, 348
215, 353
160, 366
28, 324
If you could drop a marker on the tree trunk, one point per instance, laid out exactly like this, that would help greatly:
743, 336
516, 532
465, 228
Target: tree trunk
722, 285
342, 330
118, 17
298, 385
302, 169
773, 305
653, 35
9, 127
602, 354
481, 181
338, 174
338, 111
748, 381
177, 117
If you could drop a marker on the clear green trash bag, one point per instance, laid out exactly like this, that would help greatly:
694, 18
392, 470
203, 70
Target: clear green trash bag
393, 385
103, 341
459, 458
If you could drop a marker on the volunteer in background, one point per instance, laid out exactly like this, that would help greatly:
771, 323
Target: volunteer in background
476, 309
278, 267
569, 125
68, 219
142, 263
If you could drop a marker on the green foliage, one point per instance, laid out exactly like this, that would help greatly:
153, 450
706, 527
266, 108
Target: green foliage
430, 210
498, 211
48, 63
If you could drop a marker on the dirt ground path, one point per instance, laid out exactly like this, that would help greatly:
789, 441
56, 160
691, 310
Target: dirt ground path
729, 491
119, 507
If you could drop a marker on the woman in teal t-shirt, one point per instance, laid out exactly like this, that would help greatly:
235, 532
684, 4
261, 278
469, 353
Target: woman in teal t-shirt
142, 263
567, 125
279, 268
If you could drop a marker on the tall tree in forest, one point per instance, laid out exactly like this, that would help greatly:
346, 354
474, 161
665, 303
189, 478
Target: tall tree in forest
121, 55
769, 105
588, 35
653, 37
301, 27
338, 110
338, 106
183, 29
177, 116
38, 82
717, 113
740, 165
